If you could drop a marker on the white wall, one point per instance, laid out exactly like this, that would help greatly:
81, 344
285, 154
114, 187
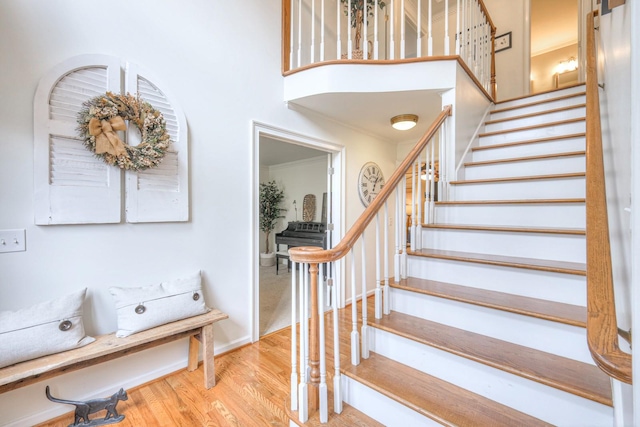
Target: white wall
222, 87
512, 69
615, 102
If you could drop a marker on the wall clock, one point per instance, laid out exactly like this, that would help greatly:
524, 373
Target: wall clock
370, 182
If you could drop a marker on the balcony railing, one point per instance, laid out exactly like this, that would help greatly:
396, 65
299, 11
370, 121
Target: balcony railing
321, 31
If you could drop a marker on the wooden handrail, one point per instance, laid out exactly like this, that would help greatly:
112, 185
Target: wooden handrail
602, 328
310, 255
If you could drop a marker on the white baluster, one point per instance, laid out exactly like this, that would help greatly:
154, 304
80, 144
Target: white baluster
365, 26
355, 336
403, 206
364, 331
432, 184
378, 291
339, 32
294, 340
322, 31
400, 222
427, 163
385, 300
392, 47
337, 382
418, 207
349, 41
402, 30
303, 387
430, 29
322, 387
458, 34
419, 35
313, 31
299, 33
446, 28
375, 31
412, 232
291, 62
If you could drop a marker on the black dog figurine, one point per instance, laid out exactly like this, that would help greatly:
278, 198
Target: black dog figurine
84, 409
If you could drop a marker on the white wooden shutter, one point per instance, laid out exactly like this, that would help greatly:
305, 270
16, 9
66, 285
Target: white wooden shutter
159, 194
71, 185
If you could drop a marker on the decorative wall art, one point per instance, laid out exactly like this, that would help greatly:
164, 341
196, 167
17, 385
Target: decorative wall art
309, 208
75, 185
503, 42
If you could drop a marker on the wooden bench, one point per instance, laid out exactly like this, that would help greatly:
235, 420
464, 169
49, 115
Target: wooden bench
199, 329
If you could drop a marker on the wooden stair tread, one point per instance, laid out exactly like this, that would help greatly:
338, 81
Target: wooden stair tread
565, 374
574, 268
520, 178
510, 202
434, 398
549, 310
509, 229
538, 113
526, 158
542, 101
543, 125
529, 141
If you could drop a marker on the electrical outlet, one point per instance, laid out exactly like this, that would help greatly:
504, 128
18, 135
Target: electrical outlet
13, 240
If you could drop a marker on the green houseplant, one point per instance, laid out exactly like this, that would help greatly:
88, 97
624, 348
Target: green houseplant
270, 211
358, 12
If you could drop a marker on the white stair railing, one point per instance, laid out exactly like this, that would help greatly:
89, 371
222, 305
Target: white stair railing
376, 29
312, 270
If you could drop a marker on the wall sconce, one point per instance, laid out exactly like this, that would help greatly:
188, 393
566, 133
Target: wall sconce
404, 121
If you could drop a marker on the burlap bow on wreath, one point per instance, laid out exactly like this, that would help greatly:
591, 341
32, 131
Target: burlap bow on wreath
102, 116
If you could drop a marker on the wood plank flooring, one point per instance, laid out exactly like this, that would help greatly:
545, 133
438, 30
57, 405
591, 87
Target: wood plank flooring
251, 390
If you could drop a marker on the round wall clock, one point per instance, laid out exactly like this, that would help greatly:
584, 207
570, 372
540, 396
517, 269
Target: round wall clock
370, 182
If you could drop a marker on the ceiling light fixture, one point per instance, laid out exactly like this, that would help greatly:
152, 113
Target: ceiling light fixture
404, 121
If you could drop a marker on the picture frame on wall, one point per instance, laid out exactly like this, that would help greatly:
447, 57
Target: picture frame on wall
503, 42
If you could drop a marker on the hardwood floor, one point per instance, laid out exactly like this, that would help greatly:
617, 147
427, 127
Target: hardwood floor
251, 390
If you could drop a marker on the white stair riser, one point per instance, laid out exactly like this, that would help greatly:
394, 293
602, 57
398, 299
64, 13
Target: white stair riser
380, 407
539, 119
538, 400
529, 134
550, 105
534, 149
568, 215
540, 97
544, 335
560, 247
548, 166
565, 188
546, 285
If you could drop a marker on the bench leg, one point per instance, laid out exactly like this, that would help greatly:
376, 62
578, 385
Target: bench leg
207, 356
194, 346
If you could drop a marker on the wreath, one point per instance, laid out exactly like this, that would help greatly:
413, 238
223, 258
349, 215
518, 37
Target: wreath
100, 118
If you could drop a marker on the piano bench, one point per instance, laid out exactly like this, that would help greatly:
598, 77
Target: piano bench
283, 255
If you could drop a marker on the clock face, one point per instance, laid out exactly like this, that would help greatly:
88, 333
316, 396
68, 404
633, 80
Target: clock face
370, 182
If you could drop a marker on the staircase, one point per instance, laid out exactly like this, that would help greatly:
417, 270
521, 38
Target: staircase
489, 327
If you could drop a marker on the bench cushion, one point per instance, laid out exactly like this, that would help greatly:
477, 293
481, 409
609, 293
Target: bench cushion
143, 308
42, 329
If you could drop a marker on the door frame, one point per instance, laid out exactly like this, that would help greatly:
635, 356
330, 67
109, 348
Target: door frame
337, 204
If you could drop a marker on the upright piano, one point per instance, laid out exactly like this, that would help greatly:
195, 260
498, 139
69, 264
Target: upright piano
299, 233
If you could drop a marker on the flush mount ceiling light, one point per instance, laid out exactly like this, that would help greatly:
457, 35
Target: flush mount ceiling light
404, 121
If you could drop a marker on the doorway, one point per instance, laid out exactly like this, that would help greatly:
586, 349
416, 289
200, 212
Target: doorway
304, 168
555, 55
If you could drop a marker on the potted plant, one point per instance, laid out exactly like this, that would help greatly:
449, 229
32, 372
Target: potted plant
270, 211
357, 15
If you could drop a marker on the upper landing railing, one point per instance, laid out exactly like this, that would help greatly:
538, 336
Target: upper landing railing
321, 31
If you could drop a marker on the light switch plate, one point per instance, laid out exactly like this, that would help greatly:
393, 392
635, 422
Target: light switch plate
13, 240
